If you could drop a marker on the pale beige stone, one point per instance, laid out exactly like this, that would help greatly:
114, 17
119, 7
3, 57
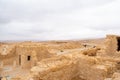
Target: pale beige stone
62, 60
116, 76
16, 78
4, 78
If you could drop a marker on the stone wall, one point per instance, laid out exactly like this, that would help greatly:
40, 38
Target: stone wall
9, 55
111, 45
75, 66
35, 53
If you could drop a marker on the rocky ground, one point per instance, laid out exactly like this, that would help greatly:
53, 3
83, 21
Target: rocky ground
74, 60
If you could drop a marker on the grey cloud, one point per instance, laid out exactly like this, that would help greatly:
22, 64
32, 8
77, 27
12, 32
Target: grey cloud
19, 34
62, 19
39, 31
4, 21
37, 9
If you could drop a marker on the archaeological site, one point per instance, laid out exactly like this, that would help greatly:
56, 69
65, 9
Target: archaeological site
93, 59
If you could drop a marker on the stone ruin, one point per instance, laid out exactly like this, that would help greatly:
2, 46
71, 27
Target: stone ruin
18, 58
84, 64
112, 45
99, 62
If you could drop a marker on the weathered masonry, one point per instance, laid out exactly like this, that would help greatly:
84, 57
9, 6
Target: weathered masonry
112, 44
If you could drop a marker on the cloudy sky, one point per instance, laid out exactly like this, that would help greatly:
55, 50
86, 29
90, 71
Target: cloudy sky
58, 19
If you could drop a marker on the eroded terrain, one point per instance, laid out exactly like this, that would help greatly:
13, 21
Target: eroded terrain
95, 59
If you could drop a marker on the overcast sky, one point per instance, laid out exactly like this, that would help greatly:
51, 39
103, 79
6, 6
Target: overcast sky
58, 19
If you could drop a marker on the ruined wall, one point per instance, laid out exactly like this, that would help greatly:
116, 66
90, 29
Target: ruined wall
116, 76
35, 53
60, 68
64, 72
111, 45
9, 55
59, 46
75, 66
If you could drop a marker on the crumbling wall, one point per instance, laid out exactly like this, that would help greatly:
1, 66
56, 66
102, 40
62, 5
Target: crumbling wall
116, 76
69, 67
35, 53
8, 54
111, 45
59, 68
17, 54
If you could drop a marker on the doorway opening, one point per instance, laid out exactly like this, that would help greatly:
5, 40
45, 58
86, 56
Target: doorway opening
28, 58
118, 41
19, 59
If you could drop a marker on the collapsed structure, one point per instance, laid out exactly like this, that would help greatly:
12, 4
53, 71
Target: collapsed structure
29, 55
22, 57
112, 45
93, 62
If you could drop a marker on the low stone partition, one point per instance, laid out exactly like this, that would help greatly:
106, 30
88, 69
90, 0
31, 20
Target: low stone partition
74, 66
